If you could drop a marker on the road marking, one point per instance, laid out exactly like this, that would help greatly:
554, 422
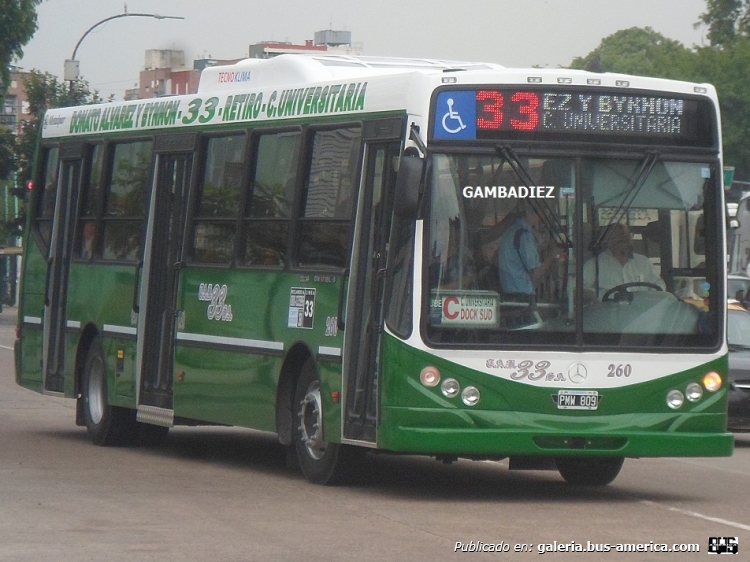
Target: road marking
698, 515
6, 347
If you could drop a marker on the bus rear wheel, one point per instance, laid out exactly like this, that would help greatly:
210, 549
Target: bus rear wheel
590, 471
321, 462
106, 424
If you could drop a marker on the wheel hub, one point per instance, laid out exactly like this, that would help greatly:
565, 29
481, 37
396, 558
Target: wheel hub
311, 423
95, 395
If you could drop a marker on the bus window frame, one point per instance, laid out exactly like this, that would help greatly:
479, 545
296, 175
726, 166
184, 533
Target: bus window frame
79, 220
309, 133
248, 195
572, 150
196, 180
37, 194
107, 170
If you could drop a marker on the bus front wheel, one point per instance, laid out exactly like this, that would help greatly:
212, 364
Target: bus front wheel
106, 424
321, 462
589, 471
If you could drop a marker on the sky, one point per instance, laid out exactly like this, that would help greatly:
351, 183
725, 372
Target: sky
513, 33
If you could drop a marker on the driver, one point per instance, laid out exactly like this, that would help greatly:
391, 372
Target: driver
618, 265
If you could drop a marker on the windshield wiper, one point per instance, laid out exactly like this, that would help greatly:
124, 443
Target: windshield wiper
549, 218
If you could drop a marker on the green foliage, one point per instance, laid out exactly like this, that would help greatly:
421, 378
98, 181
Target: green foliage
640, 51
726, 65
17, 27
7, 156
726, 20
729, 70
44, 91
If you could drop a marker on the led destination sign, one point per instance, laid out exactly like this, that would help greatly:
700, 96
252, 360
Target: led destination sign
559, 114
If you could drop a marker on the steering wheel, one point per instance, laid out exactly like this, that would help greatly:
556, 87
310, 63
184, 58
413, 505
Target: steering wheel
621, 293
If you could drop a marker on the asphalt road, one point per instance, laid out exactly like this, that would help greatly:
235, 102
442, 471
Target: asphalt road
222, 494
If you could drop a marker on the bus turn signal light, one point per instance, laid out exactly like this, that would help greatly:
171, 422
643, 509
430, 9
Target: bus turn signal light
712, 381
430, 376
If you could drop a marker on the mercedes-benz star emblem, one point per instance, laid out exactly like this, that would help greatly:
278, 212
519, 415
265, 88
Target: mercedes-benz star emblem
577, 373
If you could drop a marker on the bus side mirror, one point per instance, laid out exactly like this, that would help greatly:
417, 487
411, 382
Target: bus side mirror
408, 180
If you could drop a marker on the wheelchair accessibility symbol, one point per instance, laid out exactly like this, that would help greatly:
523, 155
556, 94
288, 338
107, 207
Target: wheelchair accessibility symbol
452, 122
455, 115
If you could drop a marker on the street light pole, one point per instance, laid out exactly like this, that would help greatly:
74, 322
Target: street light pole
72, 65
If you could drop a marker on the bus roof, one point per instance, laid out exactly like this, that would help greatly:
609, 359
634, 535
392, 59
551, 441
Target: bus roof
290, 70
300, 86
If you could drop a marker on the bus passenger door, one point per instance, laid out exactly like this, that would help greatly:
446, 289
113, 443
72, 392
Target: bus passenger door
364, 311
58, 267
162, 257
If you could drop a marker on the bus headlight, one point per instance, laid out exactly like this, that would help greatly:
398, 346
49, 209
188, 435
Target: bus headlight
694, 391
430, 376
470, 395
712, 381
450, 388
675, 399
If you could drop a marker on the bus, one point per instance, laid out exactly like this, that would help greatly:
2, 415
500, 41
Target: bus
312, 246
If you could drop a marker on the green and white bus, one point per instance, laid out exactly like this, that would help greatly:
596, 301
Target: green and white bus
312, 246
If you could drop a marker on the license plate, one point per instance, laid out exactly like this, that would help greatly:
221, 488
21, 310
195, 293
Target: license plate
577, 399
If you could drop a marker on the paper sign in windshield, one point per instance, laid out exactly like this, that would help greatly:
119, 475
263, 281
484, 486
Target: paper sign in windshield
456, 309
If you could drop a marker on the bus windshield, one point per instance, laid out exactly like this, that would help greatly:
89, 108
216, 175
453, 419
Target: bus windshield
601, 251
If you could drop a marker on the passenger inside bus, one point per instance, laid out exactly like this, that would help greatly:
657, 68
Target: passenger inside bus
617, 265
520, 268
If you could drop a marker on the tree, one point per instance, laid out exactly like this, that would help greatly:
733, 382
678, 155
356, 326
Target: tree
17, 27
7, 155
638, 51
726, 21
728, 69
7, 165
646, 52
44, 91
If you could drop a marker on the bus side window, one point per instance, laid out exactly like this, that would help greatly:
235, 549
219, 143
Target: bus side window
89, 209
400, 270
326, 223
269, 212
125, 207
218, 200
46, 203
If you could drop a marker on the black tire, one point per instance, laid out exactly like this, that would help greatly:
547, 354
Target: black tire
321, 462
106, 424
589, 471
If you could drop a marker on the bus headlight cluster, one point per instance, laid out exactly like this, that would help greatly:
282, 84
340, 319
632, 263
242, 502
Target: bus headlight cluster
450, 387
694, 391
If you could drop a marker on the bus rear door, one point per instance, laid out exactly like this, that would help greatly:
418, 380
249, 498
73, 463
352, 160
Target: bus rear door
58, 266
162, 257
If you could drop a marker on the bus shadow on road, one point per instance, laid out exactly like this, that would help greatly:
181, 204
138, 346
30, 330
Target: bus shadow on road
406, 476
400, 476
480, 481
226, 447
